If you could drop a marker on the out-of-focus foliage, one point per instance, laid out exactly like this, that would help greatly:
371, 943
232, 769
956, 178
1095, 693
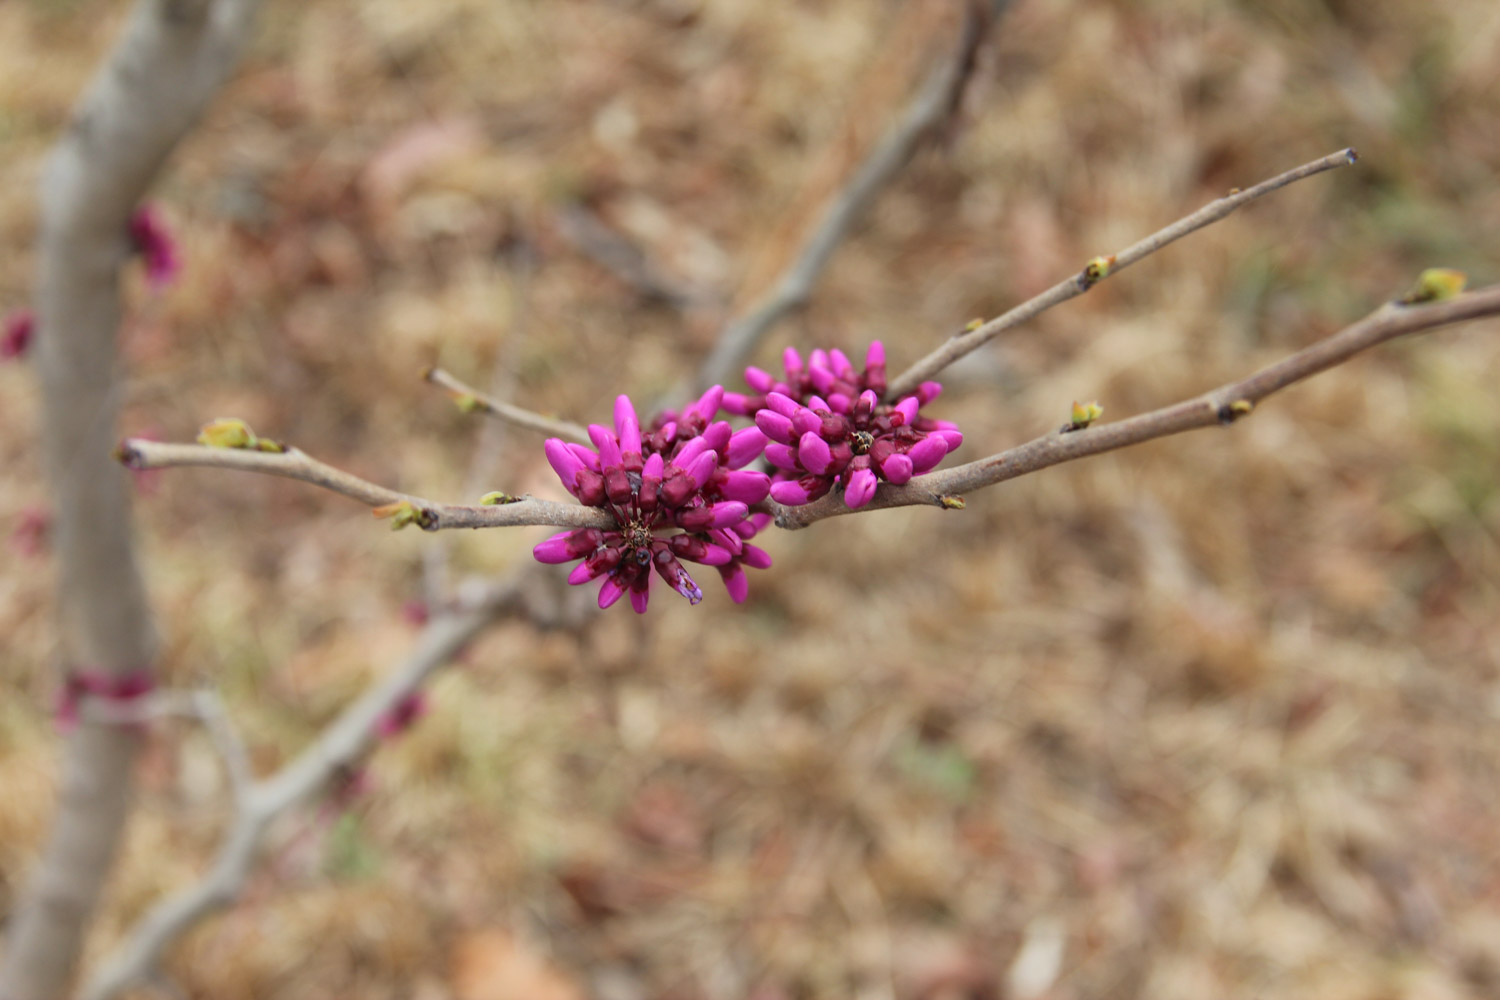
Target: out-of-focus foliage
1216, 717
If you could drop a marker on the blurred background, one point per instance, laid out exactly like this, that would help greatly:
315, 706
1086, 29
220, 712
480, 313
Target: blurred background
1217, 716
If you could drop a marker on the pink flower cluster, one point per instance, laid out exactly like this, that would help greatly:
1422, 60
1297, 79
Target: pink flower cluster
679, 491
827, 427
686, 474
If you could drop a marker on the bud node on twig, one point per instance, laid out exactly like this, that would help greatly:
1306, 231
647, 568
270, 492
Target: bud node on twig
1230, 412
1095, 271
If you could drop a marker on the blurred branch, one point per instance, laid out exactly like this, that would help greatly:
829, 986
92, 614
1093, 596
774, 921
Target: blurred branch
1099, 269
626, 261
338, 749
170, 61
1223, 405
426, 514
203, 707
474, 399
932, 105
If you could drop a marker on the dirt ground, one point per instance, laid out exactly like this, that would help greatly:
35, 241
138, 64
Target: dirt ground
1215, 717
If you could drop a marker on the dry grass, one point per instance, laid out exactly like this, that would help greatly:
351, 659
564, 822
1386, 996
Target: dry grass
1220, 715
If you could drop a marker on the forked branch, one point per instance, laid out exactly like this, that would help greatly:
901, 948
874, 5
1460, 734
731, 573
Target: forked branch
1223, 405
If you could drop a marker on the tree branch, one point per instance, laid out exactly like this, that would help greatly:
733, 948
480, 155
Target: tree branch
296, 464
970, 340
170, 62
339, 748
551, 426
929, 108
1223, 405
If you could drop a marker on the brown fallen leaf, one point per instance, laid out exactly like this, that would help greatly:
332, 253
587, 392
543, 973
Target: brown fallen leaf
493, 964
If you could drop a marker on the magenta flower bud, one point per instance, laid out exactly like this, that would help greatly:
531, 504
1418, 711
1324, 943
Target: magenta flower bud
736, 583
816, 403
756, 557
627, 426
729, 538
608, 445
866, 405
954, 437
557, 549
703, 469
896, 469
783, 457
759, 379
715, 555
790, 493
582, 573
822, 379
861, 488
783, 404
745, 446
791, 361
814, 454
689, 453
805, 420
908, 409
609, 592
928, 391
566, 464
726, 513
926, 453
774, 425
752, 525
717, 435
737, 403
816, 360
588, 456
746, 487
708, 404
841, 365
638, 599
839, 402
654, 468
20, 328
875, 355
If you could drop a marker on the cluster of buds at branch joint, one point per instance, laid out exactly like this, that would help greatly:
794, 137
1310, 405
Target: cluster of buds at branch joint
677, 492
827, 427
231, 432
1083, 415
1434, 285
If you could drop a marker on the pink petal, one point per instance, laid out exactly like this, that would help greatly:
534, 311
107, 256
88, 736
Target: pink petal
928, 391
908, 409
588, 456
736, 402
782, 404
774, 426
708, 405
581, 574
927, 452
717, 555
789, 492
745, 446
875, 356
806, 421
727, 513
627, 425
638, 598
841, 365
717, 435
608, 445
703, 469
756, 557
860, 489
783, 457
654, 468
954, 437
736, 583
759, 379
822, 379
791, 361
897, 469
838, 402
818, 359
554, 550
609, 592
566, 464
814, 454
746, 487
729, 538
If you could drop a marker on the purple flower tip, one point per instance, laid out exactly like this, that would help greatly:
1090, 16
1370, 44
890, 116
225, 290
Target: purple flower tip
745, 446
627, 425
564, 462
875, 355
555, 549
609, 592
759, 379
638, 599
790, 493
927, 452
814, 454
897, 469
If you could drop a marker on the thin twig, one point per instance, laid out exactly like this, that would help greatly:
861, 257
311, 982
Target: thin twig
963, 343
551, 426
341, 746
628, 262
296, 464
1223, 405
929, 108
